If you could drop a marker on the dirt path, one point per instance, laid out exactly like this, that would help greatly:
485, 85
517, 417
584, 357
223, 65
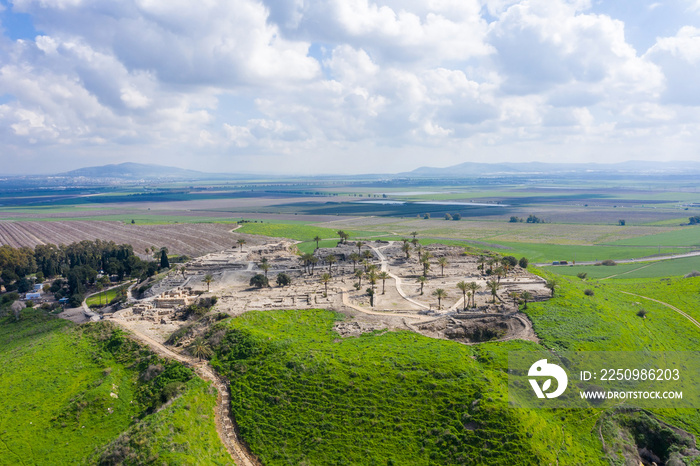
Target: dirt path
397, 280
224, 426
629, 271
692, 321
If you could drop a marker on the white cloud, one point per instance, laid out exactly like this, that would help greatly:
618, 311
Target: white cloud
368, 79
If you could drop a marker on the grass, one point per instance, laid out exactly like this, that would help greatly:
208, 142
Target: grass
686, 236
56, 386
298, 232
665, 268
105, 297
301, 395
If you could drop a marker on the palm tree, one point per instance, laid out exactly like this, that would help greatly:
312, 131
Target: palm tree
372, 276
370, 292
325, 278
200, 349
359, 274
313, 260
526, 296
481, 261
330, 260
515, 296
359, 245
500, 272
464, 287
442, 262
493, 286
426, 266
208, 278
440, 294
182, 271
355, 258
241, 242
422, 280
474, 287
317, 239
419, 248
367, 254
383, 276
265, 266
407, 250
414, 234
414, 242
306, 259
551, 285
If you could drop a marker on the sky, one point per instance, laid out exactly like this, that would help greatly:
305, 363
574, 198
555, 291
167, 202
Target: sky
345, 86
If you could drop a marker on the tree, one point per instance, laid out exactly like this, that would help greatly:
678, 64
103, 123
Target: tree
182, 270
414, 234
330, 260
383, 276
317, 239
448, 217
325, 278
463, 287
367, 254
370, 292
359, 245
525, 296
313, 260
407, 250
440, 294
306, 260
359, 274
355, 258
208, 278
509, 261
283, 279
457, 216
426, 266
241, 242
422, 279
493, 287
259, 281
265, 266
200, 349
164, 263
515, 296
621, 222
372, 276
474, 287
481, 261
426, 216
523, 262
442, 262
343, 236
551, 285
500, 272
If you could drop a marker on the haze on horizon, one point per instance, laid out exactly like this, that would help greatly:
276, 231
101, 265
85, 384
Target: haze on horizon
339, 86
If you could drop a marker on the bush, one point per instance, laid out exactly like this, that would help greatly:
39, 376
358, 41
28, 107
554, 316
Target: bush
582, 275
642, 313
283, 279
523, 262
457, 217
512, 261
609, 262
588, 292
259, 281
692, 274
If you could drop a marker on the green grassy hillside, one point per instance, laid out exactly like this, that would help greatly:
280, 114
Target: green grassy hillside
66, 391
301, 395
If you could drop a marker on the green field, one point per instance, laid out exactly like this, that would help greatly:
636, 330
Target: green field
67, 391
105, 297
686, 236
665, 268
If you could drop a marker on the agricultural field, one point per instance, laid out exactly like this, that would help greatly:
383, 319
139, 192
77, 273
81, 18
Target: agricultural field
69, 391
664, 268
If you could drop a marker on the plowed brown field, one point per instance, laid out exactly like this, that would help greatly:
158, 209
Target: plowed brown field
193, 239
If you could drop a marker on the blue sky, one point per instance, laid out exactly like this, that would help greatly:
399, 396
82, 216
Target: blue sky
346, 86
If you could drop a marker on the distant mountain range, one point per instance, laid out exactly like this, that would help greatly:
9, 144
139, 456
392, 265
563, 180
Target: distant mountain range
472, 169
138, 171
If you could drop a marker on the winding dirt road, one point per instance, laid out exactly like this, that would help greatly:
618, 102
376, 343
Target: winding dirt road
225, 427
